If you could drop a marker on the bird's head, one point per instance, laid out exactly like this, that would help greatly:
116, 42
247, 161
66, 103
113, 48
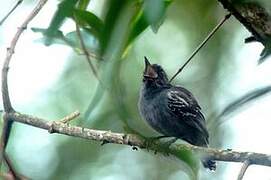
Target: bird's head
154, 75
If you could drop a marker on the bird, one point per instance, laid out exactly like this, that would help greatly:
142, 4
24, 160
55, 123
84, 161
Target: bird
172, 110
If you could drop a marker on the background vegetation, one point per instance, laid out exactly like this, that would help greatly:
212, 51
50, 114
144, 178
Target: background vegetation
51, 77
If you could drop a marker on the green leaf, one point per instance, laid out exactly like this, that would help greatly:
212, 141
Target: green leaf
154, 12
115, 8
71, 39
89, 20
191, 163
56, 38
90, 40
140, 22
65, 9
83, 4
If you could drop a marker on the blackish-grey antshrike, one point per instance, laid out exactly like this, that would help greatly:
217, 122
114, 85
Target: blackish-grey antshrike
172, 110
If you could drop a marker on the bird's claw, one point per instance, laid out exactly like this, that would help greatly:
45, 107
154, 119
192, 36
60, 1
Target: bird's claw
155, 144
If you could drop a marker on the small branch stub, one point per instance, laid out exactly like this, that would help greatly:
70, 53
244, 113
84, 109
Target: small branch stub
70, 117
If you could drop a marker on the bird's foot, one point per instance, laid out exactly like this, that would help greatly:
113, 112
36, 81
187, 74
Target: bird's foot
165, 146
153, 141
155, 144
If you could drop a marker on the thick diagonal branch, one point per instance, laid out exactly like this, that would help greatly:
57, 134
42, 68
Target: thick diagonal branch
253, 16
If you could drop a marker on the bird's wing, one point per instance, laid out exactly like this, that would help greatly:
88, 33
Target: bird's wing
183, 105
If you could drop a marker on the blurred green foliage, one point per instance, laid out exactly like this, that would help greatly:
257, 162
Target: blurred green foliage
119, 38
122, 22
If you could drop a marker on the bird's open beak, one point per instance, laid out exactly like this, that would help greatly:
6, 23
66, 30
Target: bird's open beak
149, 71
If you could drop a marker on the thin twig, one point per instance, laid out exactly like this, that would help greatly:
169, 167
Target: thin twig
5, 93
70, 117
64, 120
11, 11
92, 55
243, 170
135, 140
202, 44
84, 48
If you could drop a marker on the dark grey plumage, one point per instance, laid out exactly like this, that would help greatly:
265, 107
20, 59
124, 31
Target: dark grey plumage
171, 110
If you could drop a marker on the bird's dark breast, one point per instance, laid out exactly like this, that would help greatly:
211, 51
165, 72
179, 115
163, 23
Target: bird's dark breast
156, 114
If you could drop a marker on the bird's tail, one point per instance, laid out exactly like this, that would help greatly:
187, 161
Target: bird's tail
210, 164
